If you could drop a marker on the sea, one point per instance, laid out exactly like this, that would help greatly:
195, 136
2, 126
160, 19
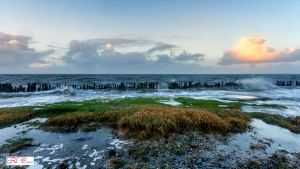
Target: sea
252, 89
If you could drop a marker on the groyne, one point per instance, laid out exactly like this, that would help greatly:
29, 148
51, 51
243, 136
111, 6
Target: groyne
34, 87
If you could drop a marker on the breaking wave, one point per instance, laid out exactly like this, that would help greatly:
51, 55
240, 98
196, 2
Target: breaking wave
257, 84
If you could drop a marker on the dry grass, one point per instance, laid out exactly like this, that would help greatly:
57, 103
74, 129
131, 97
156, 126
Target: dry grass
155, 119
151, 120
10, 116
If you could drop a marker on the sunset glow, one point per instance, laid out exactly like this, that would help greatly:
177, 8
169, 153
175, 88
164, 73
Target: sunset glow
46, 64
253, 50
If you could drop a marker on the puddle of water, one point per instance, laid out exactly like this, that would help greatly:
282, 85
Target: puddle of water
242, 97
239, 98
9, 132
223, 105
171, 102
283, 139
270, 110
202, 97
214, 98
119, 143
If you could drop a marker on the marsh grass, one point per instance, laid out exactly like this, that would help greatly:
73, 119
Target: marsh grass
14, 145
208, 104
10, 116
117, 163
150, 120
214, 104
143, 117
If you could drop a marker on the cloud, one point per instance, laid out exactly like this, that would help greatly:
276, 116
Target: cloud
122, 42
185, 56
252, 50
108, 48
94, 56
95, 53
177, 37
164, 59
92, 53
46, 64
51, 46
15, 52
160, 47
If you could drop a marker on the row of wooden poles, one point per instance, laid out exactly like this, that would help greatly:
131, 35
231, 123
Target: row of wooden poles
32, 87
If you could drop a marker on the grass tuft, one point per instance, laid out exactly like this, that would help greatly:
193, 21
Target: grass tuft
150, 120
118, 163
15, 145
10, 116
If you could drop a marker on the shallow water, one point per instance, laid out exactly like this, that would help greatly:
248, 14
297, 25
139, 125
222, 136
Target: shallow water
282, 139
254, 89
88, 147
171, 102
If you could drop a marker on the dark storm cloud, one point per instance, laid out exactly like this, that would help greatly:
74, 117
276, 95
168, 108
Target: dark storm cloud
160, 47
14, 51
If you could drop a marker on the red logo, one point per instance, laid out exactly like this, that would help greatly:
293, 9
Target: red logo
14, 159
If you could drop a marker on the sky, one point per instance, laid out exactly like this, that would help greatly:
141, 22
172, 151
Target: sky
149, 37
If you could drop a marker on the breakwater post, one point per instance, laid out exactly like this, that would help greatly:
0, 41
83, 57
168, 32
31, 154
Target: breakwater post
33, 87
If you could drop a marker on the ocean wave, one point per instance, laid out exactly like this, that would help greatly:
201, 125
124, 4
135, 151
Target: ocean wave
257, 84
12, 95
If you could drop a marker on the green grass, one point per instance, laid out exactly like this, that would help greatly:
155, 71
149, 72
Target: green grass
149, 120
117, 163
11, 116
283, 166
144, 158
15, 145
214, 104
208, 104
143, 116
284, 151
131, 151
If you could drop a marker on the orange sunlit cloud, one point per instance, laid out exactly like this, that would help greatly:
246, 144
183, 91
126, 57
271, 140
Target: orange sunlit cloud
108, 46
252, 50
46, 64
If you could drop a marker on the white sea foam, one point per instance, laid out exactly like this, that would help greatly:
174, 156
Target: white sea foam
257, 84
252, 91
